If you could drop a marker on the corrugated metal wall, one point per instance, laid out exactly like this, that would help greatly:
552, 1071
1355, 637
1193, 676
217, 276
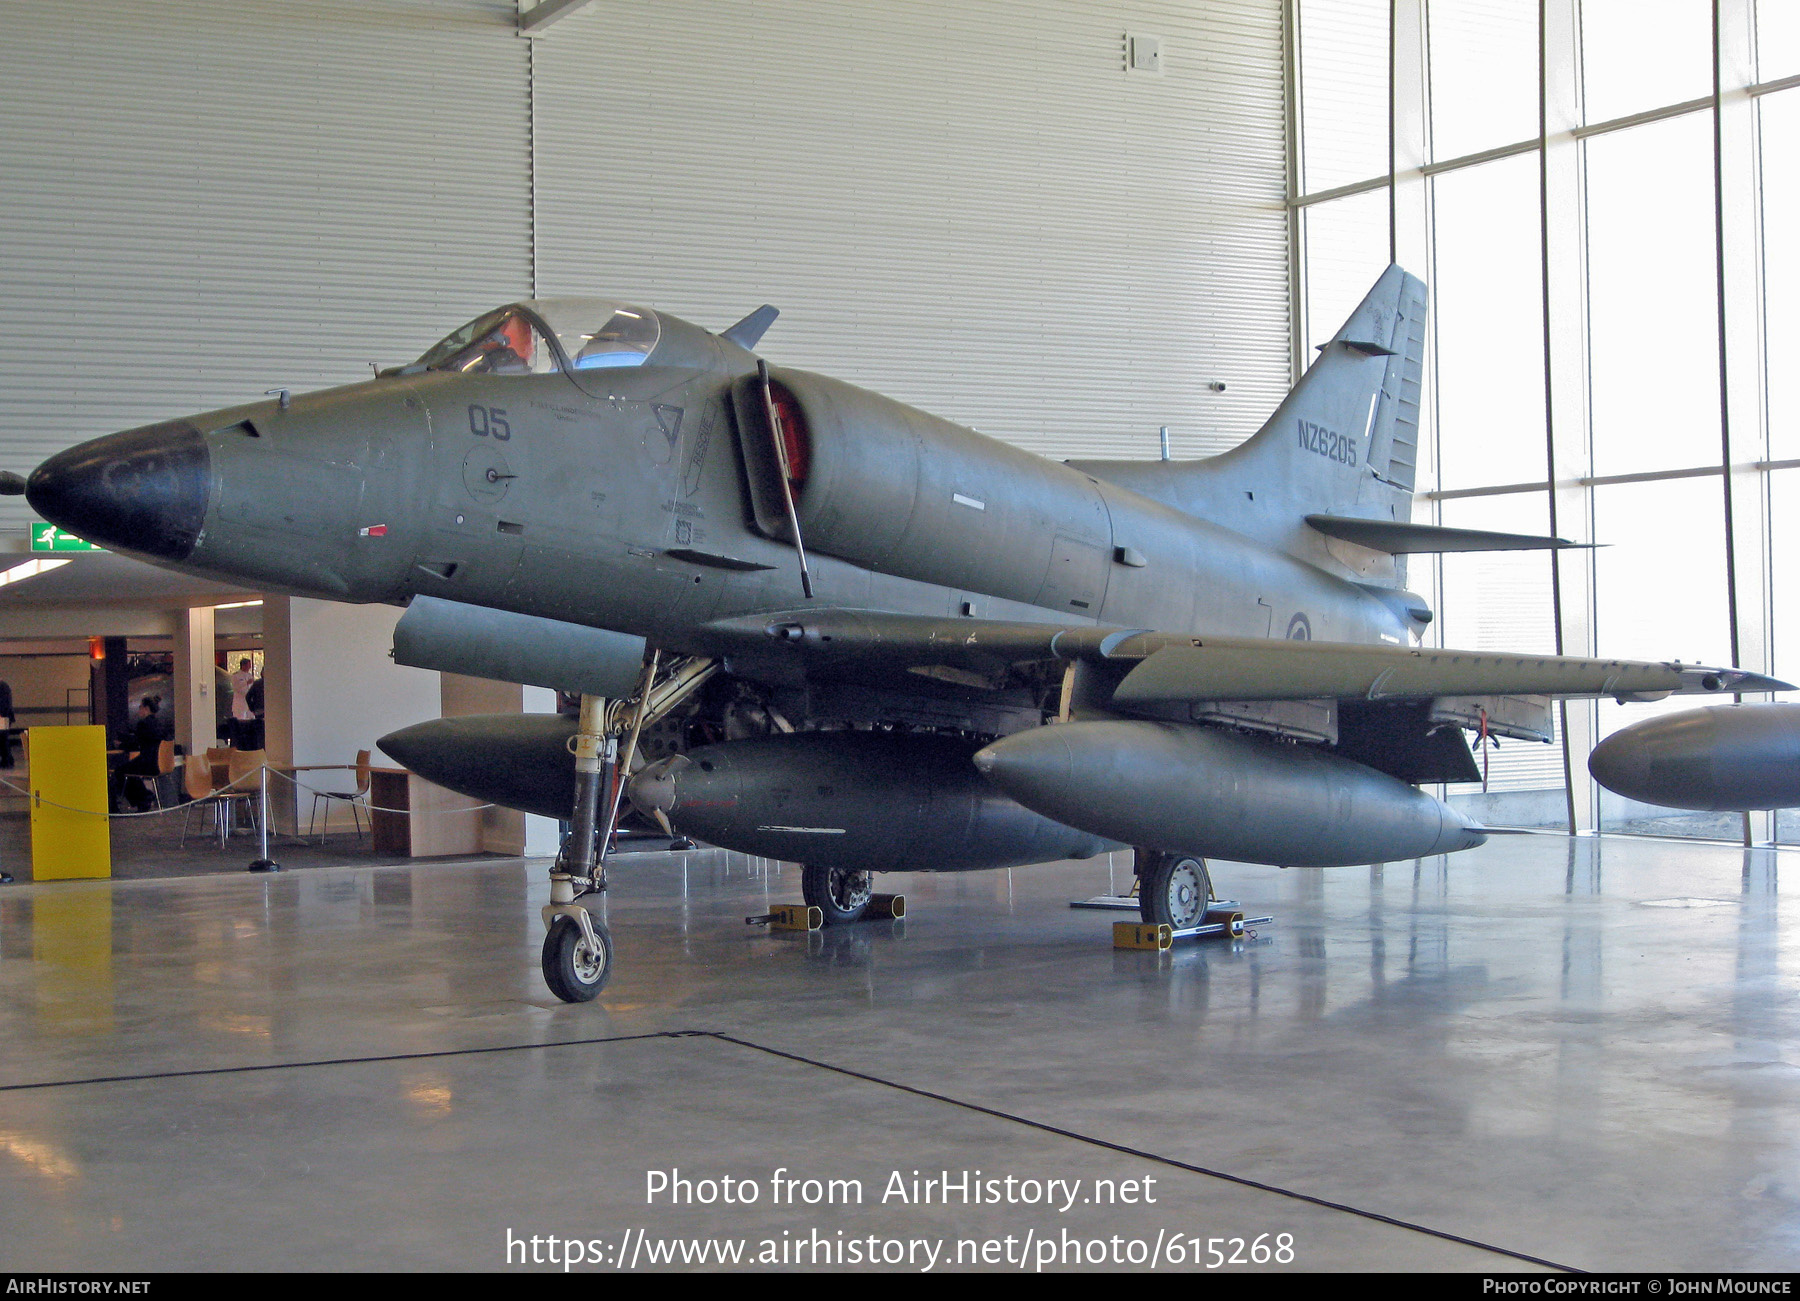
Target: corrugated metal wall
201, 200
971, 205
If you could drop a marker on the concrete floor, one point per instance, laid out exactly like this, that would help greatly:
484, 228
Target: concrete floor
1579, 1051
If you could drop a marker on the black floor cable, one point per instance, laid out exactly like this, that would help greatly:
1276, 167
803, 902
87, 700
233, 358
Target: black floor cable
722, 1037
1089, 1139
345, 1061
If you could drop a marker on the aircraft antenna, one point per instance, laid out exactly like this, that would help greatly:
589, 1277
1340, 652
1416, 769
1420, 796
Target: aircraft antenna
781, 467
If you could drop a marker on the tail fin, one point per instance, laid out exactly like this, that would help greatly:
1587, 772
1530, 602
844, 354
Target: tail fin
1345, 440
1346, 437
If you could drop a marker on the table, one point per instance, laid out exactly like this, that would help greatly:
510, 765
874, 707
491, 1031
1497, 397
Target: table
435, 821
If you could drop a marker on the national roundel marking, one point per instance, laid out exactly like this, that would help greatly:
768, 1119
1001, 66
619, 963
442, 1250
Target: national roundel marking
1299, 628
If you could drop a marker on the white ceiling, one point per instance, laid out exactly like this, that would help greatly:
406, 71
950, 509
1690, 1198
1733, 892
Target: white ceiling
111, 580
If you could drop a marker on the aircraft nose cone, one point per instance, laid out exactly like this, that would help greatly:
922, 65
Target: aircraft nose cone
144, 490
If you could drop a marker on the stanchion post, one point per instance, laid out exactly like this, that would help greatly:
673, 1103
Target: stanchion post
265, 863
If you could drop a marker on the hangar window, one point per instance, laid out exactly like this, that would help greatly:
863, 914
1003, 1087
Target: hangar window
1557, 168
504, 342
599, 334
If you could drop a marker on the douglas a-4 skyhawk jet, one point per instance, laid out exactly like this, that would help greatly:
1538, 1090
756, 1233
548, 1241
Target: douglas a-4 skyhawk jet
810, 623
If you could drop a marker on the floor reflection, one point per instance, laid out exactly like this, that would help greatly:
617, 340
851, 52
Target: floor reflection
72, 959
1522, 1036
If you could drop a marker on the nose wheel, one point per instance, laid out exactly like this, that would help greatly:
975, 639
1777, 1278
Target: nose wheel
577, 955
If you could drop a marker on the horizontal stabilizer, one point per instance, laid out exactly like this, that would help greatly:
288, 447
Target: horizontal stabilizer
1403, 539
748, 332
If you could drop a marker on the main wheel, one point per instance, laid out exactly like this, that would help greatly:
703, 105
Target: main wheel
574, 972
1174, 890
841, 894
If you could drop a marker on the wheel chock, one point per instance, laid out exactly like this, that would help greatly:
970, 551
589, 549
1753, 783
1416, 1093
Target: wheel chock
1226, 920
1153, 938
885, 907
789, 917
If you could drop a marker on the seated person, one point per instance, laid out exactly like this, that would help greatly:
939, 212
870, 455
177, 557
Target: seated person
141, 757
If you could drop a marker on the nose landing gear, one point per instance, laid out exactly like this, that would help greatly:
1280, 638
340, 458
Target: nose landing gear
577, 956
578, 949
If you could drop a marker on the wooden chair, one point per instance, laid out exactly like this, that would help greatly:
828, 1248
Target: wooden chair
152, 782
165, 765
218, 760
355, 799
197, 781
245, 768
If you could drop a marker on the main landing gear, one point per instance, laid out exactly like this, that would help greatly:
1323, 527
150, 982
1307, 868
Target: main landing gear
1173, 889
1173, 893
841, 894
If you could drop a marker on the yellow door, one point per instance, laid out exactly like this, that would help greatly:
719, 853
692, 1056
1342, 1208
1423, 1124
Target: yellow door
70, 834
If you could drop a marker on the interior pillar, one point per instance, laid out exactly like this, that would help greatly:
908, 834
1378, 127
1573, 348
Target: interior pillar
193, 704
1738, 187
109, 688
1567, 454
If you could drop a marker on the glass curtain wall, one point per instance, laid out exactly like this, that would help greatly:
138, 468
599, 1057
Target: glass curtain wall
1595, 191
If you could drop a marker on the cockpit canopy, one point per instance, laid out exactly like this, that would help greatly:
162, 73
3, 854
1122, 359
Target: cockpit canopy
542, 335
597, 333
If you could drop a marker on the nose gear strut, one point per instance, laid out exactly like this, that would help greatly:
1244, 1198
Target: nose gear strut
578, 949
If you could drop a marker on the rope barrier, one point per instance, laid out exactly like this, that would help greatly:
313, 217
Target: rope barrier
95, 813
378, 808
222, 793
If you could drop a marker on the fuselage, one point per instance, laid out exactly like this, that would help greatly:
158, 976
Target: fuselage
617, 498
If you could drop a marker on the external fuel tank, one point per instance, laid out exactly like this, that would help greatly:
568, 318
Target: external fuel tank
1220, 793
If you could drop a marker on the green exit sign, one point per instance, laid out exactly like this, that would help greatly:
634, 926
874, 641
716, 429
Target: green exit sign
47, 537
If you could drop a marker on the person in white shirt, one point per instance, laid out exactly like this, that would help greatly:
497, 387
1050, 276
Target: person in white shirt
243, 718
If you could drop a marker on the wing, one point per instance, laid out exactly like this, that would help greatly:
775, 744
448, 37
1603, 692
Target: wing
1260, 669
1157, 670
